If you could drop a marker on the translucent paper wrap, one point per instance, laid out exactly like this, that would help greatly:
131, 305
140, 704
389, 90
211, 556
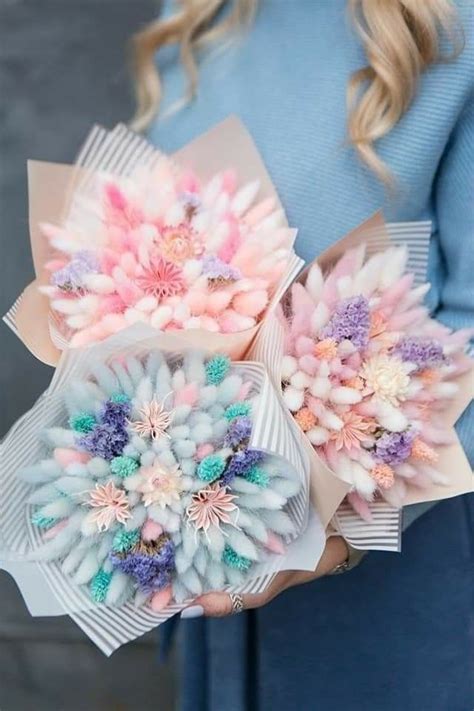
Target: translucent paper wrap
46, 588
328, 490
66, 198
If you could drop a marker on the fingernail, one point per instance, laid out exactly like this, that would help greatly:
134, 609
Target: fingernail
190, 612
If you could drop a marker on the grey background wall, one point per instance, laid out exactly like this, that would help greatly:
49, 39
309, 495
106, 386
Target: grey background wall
62, 67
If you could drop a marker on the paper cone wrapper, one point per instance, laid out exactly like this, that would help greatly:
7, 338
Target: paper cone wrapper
45, 588
59, 192
328, 491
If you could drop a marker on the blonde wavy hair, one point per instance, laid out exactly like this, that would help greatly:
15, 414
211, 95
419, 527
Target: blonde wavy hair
400, 37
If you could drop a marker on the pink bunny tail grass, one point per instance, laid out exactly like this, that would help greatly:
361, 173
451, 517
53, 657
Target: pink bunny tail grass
198, 302
188, 183
308, 364
115, 197
231, 244
111, 304
151, 530
203, 451
232, 322
161, 599
360, 506
274, 544
400, 322
302, 308
250, 304
64, 456
304, 346
217, 302
244, 391
187, 395
390, 299
229, 182
53, 532
259, 212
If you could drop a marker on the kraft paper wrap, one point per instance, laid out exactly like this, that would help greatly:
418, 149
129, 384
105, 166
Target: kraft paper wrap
52, 188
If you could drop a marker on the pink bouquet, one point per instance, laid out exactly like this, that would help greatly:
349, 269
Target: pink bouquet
369, 376
196, 242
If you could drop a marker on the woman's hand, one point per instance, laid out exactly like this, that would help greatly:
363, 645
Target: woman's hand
220, 605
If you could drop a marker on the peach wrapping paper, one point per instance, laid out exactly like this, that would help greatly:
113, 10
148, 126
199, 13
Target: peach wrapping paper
55, 190
327, 489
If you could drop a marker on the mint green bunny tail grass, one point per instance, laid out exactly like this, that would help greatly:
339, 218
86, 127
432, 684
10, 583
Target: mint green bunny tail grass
234, 560
216, 369
82, 422
100, 585
237, 409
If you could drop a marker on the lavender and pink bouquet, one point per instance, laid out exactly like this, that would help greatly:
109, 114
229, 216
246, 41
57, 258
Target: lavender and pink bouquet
369, 377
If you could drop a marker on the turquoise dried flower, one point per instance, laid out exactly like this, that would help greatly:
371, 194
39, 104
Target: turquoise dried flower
237, 409
100, 585
257, 476
211, 468
120, 397
234, 560
123, 466
83, 422
125, 540
216, 369
42, 521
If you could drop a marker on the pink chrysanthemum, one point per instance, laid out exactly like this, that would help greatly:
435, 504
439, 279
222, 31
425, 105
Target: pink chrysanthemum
211, 507
180, 243
161, 279
112, 505
356, 429
154, 420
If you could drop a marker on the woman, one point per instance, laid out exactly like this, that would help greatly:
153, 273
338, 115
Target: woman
392, 634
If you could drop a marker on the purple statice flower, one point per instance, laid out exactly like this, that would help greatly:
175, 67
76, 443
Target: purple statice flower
423, 352
394, 447
351, 321
149, 564
105, 440
215, 268
70, 277
115, 413
240, 464
239, 431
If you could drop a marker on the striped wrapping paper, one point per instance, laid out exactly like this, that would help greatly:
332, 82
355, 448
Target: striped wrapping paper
384, 532
111, 627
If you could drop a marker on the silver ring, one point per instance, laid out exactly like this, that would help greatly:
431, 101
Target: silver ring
237, 602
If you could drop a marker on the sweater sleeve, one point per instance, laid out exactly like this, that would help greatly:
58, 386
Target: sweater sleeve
454, 204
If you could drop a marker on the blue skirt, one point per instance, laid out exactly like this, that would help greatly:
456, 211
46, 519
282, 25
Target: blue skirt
395, 633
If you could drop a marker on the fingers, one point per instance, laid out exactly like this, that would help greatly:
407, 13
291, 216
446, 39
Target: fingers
220, 605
